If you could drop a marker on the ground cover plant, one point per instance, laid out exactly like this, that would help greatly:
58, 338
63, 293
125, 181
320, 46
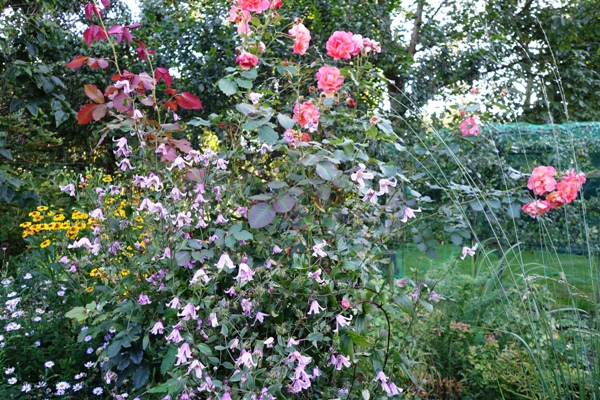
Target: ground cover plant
248, 254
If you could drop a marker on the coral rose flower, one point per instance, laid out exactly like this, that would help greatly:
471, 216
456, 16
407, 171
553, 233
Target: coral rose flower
247, 60
307, 115
301, 36
470, 126
256, 6
542, 180
329, 80
536, 208
342, 45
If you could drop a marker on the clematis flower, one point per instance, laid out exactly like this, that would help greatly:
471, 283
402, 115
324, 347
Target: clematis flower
384, 184
144, 300
329, 80
316, 275
342, 321
183, 353
70, 188
360, 175
245, 273
315, 308
469, 251
189, 311
174, 303
318, 249
197, 367
470, 126
224, 261
158, 328
301, 37
409, 213
370, 196
339, 361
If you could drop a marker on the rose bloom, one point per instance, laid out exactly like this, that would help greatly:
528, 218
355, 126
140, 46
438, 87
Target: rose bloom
470, 126
256, 6
247, 60
536, 208
306, 114
341, 45
568, 190
301, 38
329, 80
541, 180
240, 17
556, 199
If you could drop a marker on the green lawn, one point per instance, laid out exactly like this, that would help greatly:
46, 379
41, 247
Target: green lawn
579, 271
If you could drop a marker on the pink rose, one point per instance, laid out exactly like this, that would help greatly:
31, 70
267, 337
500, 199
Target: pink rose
342, 45
256, 6
470, 126
307, 115
240, 17
247, 60
329, 80
301, 37
542, 180
536, 208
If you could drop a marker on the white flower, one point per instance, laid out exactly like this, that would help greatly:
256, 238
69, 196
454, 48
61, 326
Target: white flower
318, 249
98, 391
469, 251
28, 276
49, 364
12, 381
26, 388
360, 175
9, 370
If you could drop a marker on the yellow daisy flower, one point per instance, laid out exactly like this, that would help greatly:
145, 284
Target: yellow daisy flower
45, 243
107, 179
42, 208
25, 224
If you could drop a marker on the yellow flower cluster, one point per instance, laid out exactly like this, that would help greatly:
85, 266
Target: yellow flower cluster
43, 221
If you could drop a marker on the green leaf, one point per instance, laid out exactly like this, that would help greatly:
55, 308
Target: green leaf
59, 117
78, 313
514, 210
357, 339
267, 134
277, 184
168, 360
114, 348
204, 349
309, 159
183, 258
243, 235
33, 109
228, 86
244, 83
327, 170
315, 337
285, 121
261, 215
140, 377
136, 356
6, 154
250, 74
284, 204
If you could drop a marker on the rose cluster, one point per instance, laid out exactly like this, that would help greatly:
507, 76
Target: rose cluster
542, 182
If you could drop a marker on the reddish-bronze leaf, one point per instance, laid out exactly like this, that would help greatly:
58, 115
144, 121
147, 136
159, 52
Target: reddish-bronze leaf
171, 105
99, 112
85, 114
188, 101
94, 93
77, 62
